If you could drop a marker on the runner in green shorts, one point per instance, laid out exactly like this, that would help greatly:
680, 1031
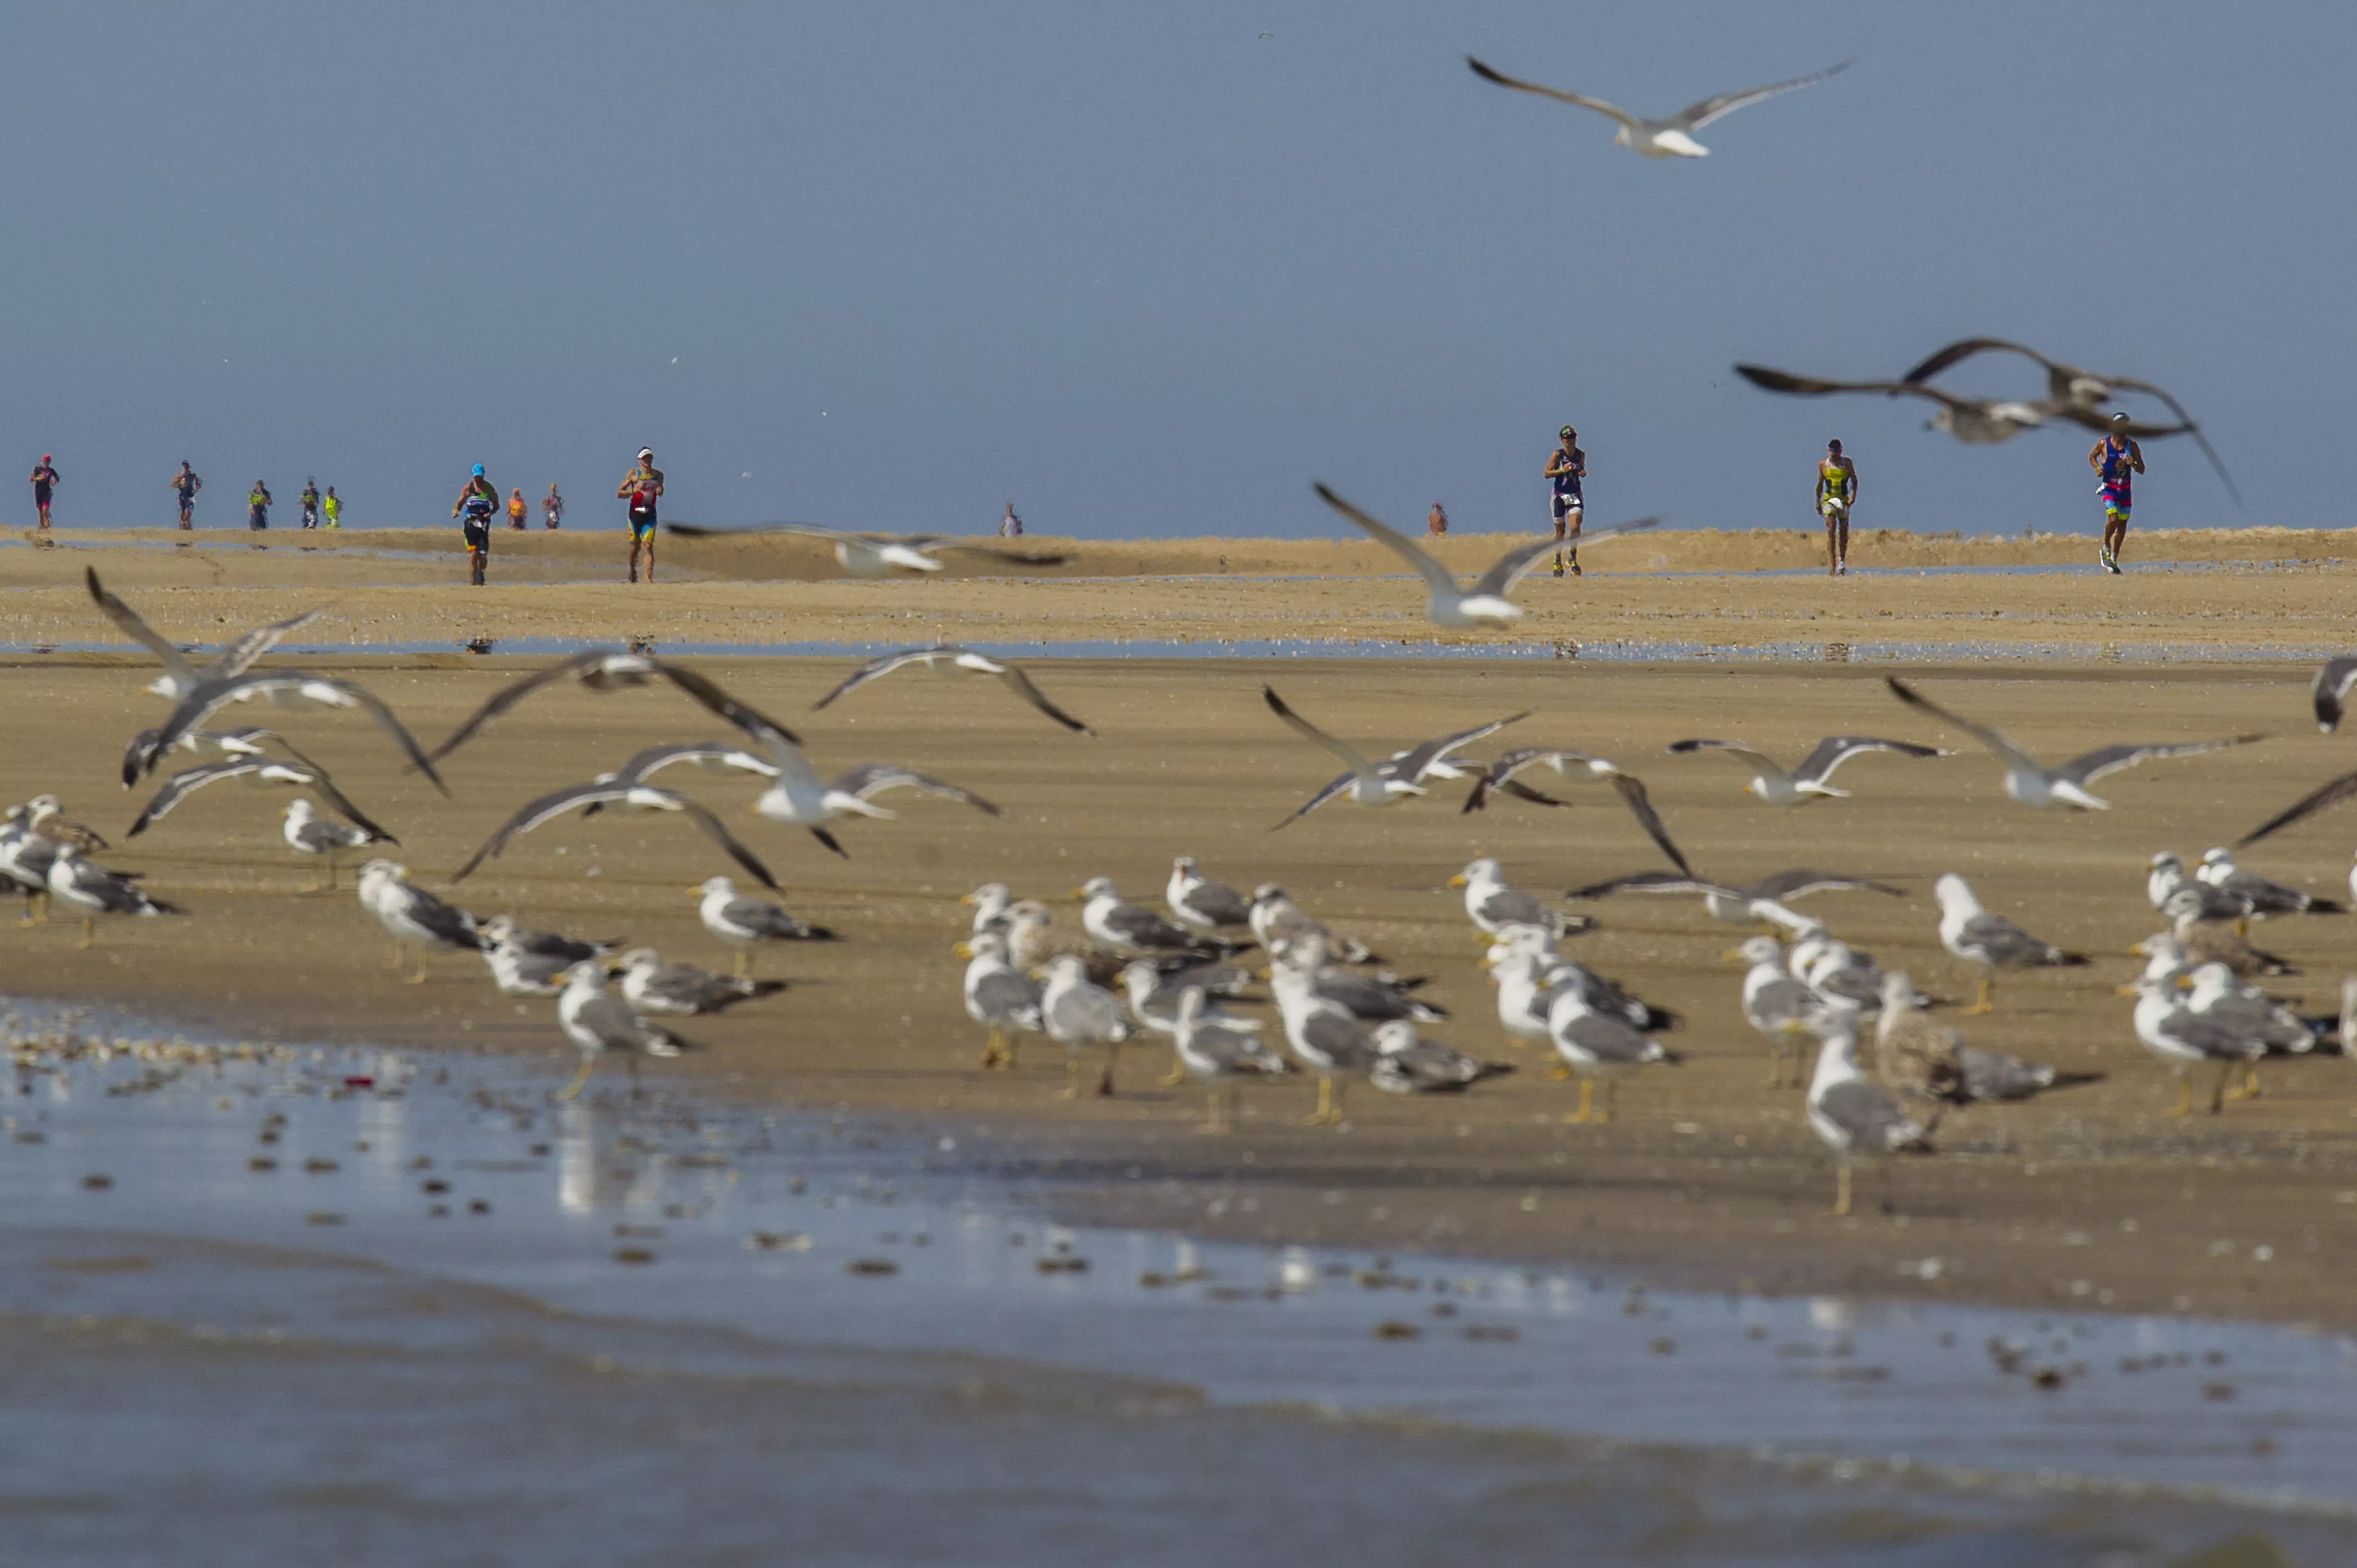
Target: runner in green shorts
642, 487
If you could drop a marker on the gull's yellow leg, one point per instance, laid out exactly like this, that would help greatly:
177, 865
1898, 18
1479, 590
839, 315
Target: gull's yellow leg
2250, 1090
2218, 1094
88, 932
2184, 1098
1587, 1098
744, 964
1560, 1070
990, 1051
573, 1090
1071, 1089
1986, 1000
1177, 1073
400, 953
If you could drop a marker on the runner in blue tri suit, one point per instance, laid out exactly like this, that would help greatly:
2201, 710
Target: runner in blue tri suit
2117, 460
1566, 466
475, 507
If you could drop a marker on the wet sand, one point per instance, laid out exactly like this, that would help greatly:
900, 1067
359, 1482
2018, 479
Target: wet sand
2090, 1199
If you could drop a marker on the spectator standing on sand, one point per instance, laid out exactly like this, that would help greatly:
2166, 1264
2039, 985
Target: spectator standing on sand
1437, 524
1836, 492
310, 498
1010, 526
331, 509
474, 509
1566, 468
186, 483
257, 507
552, 508
642, 487
2117, 460
516, 509
44, 480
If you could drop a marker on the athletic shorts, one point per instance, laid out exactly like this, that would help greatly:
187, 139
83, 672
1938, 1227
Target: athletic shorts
2117, 500
40, 495
642, 524
478, 534
1562, 504
1834, 510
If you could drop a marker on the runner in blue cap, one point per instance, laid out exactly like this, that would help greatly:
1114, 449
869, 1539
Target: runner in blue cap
474, 508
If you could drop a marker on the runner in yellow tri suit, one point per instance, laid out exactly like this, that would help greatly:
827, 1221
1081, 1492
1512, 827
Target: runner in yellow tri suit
1836, 492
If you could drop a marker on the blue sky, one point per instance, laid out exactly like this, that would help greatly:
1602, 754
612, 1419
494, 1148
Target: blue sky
1144, 271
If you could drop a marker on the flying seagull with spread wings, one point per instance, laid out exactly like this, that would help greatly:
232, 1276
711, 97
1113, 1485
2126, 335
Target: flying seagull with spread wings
1670, 138
2073, 390
180, 673
1485, 603
1385, 783
2034, 785
1772, 784
301, 773
625, 792
600, 670
879, 554
1975, 421
957, 658
292, 689
1628, 786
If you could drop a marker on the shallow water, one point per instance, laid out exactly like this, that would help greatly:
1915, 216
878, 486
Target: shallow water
689, 1327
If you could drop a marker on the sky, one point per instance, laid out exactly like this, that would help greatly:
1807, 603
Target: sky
1150, 271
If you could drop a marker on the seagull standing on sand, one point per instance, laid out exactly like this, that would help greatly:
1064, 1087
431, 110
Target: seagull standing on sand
1806, 782
2184, 1039
1991, 941
1779, 1008
1492, 906
1447, 603
1851, 1112
412, 915
1670, 138
1205, 905
91, 890
743, 923
1370, 998
1928, 1060
1406, 1063
1134, 929
2166, 875
1211, 1048
307, 832
2034, 785
2205, 939
1076, 1012
596, 1023
681, 990
2264, 898
1385, 783
1595, 1045
25, 858
999, 997
958, 658
47, 819
1324, 1034
1276, 919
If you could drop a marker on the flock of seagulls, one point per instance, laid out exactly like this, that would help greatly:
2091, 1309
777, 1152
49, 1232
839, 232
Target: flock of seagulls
1189, 972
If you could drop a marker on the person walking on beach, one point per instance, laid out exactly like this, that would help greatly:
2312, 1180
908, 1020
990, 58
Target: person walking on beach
186, 485
1010, 526
642, 487
331, 509
552, 508
310, 498
517, 511
2117, 460
257, 507
45, 481
1437, 524
1566, 466
1836, 492
474, 509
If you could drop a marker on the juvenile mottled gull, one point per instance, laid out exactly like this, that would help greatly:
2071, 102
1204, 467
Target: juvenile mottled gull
1927, 1060
2206, 941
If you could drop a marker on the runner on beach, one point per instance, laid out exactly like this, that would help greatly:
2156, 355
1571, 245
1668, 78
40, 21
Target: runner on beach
45, 479
1566, 466
257, 507
2117, 460
551, 507
1836, 493
310, 503
476, 502
1436, 523
516, 509
1010, 526
186, 483
642, 487
331, 509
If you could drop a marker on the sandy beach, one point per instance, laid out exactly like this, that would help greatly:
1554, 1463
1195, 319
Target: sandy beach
2091, 1198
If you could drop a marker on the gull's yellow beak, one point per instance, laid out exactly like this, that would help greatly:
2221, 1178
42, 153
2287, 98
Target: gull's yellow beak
1457, 880
1733, 955
1264, 973
2126, 991
1080, 894
696, 894
963, 950
2138, 951
966, 898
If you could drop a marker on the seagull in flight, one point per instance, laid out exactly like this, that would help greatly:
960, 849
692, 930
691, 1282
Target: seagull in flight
878, 554
599, 670
2331, 691
1628, 786
1485, 603
288, 689
956, 658
180, 673
1975, 421
2073, 390
1385, 783
1806, 782
2034, 785
621, 792
1670, 138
